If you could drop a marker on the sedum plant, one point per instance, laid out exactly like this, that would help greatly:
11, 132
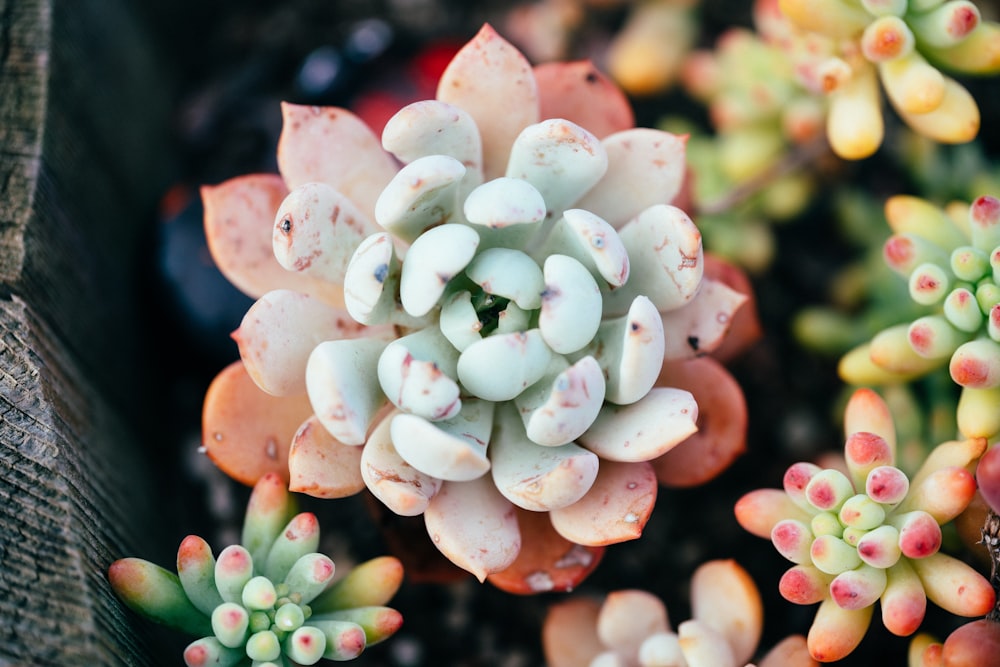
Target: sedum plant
270, 600
470, 316
846, 50
631, 628
950, 259
870, 533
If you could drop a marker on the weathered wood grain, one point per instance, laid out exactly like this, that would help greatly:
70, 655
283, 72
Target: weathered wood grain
83, 158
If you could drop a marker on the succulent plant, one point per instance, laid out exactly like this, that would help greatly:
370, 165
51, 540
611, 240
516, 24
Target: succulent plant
845, 49
489, 320
870, 533
271, 600
631, 628
948, 258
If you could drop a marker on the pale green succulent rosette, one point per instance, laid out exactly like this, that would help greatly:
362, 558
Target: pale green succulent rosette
951, 262
512, 291
271, 600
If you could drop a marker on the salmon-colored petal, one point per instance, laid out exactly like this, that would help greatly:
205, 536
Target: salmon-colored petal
759, 510
745, 328
239, 217
789, 652
321, 466
725, 597
474, 526
547, 562
700, 325
333, 146
246, 432
279, 332
836, 632
722, 423
645, 167
627, 618
615, 509
581, 93
494, 83
568, 636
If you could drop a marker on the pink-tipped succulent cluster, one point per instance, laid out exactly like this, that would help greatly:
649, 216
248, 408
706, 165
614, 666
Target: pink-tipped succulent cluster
472, 316
951, 261
270, 600
869, 533
851, 51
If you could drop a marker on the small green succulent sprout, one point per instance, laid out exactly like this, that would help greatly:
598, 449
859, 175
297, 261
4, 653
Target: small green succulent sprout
271, 600
870, 533
951, 260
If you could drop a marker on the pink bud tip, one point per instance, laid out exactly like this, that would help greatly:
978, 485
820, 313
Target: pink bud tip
865, 449
196, 655
887, 485
898, 252
919, 536
800, 585
985, 211
963, 21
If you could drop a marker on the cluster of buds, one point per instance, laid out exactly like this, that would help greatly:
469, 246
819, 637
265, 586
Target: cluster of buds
631, 628
951, 260
480, 331
907, 46
271, 600
869, 533
759, 111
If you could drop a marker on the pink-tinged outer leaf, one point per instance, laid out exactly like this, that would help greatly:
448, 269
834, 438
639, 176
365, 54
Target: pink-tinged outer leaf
321, 466
975, 643
954, 586
904, 601
645, 167
645, 429
953, 453
725, 597
615, 509
628, 617
804, 584
758, 511
401, 487
568, 636
279, 332
722, 423
547, 562
868, 412
333, 146
245, 431
579, 92
494, 83
474, 526
372, 583
239, 216
196, 571
268, 511
944, 494
316, 231
835, 632
789, 652
699, 326
745, 328
157, 594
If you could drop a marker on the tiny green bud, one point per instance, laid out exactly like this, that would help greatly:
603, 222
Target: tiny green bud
929, 284
229, 623
970, 264
259, 620
289, 617
862, 512
259, 594
826, 523
263, 646
962, 310
833, 555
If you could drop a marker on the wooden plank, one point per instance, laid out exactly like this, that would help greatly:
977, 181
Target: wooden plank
83, 158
